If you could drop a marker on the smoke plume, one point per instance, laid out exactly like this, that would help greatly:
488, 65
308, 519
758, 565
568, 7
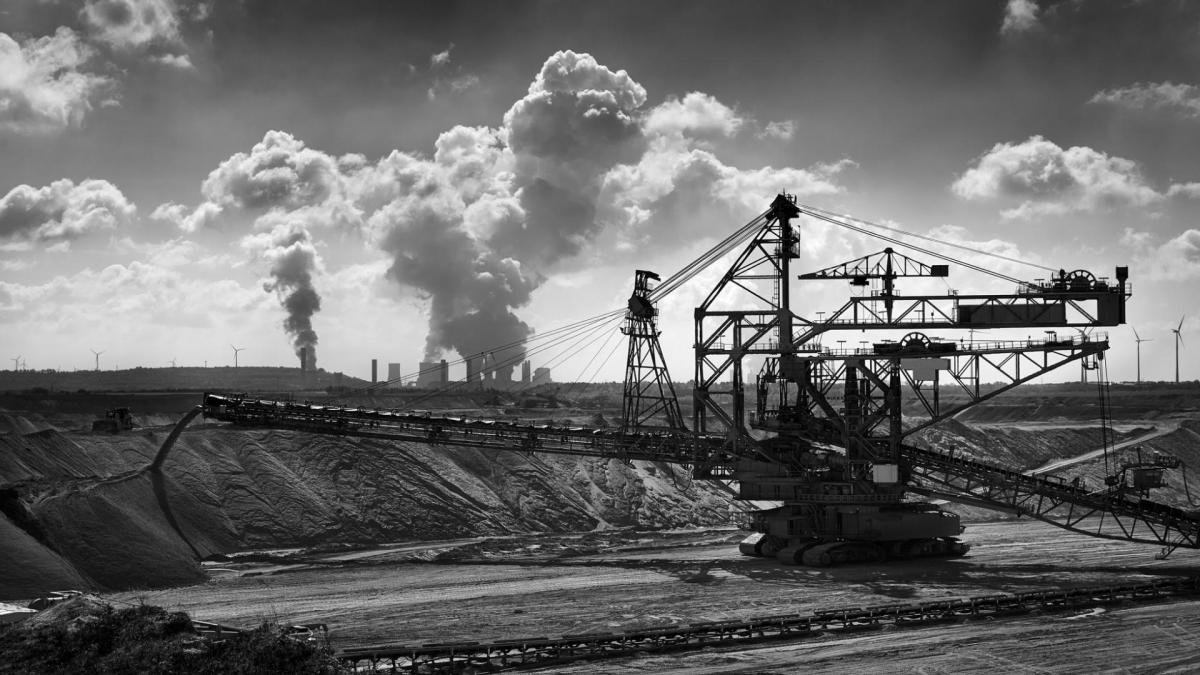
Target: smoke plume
289, 251
479, 228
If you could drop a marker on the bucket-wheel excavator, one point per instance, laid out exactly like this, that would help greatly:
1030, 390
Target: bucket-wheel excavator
824, 434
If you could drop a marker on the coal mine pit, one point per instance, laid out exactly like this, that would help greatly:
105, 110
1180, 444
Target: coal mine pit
403, 544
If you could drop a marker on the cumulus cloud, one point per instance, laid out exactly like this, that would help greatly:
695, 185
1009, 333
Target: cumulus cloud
43, 86
1176, 259
288, 249
453, 85
1187, 190
188, 220
578, 121
278, 172
442, 58
447, 79
1020, 16
697, 114
677, 185
779, 130
478, 226
62, 211
180, 61
79, 303
170, 253
1050, 180
148, 27
1181, 99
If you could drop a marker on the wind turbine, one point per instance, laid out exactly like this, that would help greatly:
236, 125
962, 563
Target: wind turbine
97, 357
1178, 341
1139, 340
1082, 362
236, 350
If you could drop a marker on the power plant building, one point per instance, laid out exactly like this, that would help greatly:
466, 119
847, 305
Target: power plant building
430, 374
394, 375
474, 374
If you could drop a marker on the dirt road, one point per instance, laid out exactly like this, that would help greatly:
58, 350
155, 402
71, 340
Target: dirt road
525, 587
1160, 429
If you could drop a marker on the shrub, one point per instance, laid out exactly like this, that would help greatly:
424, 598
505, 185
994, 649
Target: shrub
147, 639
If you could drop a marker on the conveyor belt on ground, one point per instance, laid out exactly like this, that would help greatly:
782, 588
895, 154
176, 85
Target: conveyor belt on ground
457, 657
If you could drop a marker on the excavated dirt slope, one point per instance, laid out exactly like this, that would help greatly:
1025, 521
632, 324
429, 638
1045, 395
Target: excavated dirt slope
82, 510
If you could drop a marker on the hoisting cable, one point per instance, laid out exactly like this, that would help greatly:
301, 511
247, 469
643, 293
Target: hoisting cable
589, 339
926, 237
706, 259
586, 326
583, 371
577, 337
571, 328
592, 377
914, 247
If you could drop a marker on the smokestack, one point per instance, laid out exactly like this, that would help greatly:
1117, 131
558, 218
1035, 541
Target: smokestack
289, 249
444, 369
525, 372
374, 371
303, 359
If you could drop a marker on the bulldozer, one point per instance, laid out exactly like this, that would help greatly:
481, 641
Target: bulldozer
115, 421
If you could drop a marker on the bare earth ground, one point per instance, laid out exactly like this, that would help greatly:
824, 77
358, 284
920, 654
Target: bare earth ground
527, 586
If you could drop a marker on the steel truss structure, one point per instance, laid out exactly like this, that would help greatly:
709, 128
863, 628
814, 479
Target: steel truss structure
827, 433
724, 337
649, 392
1094, 511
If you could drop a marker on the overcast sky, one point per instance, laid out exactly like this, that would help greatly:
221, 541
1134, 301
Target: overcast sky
400, 180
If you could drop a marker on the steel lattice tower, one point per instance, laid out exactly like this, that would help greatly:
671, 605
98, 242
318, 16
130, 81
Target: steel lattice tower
648, 389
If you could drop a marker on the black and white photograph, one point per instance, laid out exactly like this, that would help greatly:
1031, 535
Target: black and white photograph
624, 337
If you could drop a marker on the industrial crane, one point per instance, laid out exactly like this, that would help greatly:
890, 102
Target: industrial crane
826, 438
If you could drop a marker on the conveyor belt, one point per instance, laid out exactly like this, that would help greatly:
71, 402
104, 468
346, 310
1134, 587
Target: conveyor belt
1105, 513
457, 657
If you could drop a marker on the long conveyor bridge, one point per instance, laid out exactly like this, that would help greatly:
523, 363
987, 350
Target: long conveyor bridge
1107, 513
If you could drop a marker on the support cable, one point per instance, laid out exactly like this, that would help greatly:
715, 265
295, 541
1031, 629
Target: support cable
926, 238
914, 247
584, 326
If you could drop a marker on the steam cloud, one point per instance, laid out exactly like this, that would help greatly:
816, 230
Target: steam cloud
292, 257
480, 225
